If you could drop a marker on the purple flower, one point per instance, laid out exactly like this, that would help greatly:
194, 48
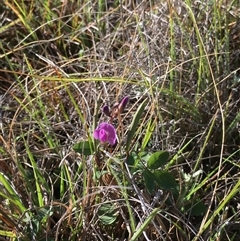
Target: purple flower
123, 103
105, 133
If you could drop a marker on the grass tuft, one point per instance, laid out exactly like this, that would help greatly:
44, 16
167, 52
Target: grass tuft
174, 172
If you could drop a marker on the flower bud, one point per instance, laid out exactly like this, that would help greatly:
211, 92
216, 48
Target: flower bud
115, 110
106, 110
123, 104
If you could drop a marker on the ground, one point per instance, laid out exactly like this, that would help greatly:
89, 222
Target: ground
174, 173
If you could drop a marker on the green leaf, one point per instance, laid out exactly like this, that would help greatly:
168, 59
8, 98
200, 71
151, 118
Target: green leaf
131, 159
134, 124
107, 214
144, 156
158, 159
84, 147
198, 209
165, 180
149, 181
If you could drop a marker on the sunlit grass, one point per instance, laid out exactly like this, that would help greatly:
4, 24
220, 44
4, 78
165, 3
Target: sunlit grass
174, 174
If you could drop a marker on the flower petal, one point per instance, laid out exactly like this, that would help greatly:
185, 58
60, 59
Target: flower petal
106, 132
103, 135
96, 134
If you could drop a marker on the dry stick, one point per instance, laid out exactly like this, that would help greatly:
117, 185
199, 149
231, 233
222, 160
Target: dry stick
68, 211
120, 125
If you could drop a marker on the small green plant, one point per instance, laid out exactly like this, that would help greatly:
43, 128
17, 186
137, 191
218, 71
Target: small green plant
139, 167
149, 167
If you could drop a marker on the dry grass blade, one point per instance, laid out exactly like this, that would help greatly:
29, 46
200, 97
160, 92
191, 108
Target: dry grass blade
61, 62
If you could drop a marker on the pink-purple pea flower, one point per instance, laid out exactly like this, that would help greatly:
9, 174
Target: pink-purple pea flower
105, 133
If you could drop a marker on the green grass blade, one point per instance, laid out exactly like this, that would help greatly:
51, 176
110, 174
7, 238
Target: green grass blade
219, 209
150, 127
9, 234
134, 124
141, 229
12, 195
